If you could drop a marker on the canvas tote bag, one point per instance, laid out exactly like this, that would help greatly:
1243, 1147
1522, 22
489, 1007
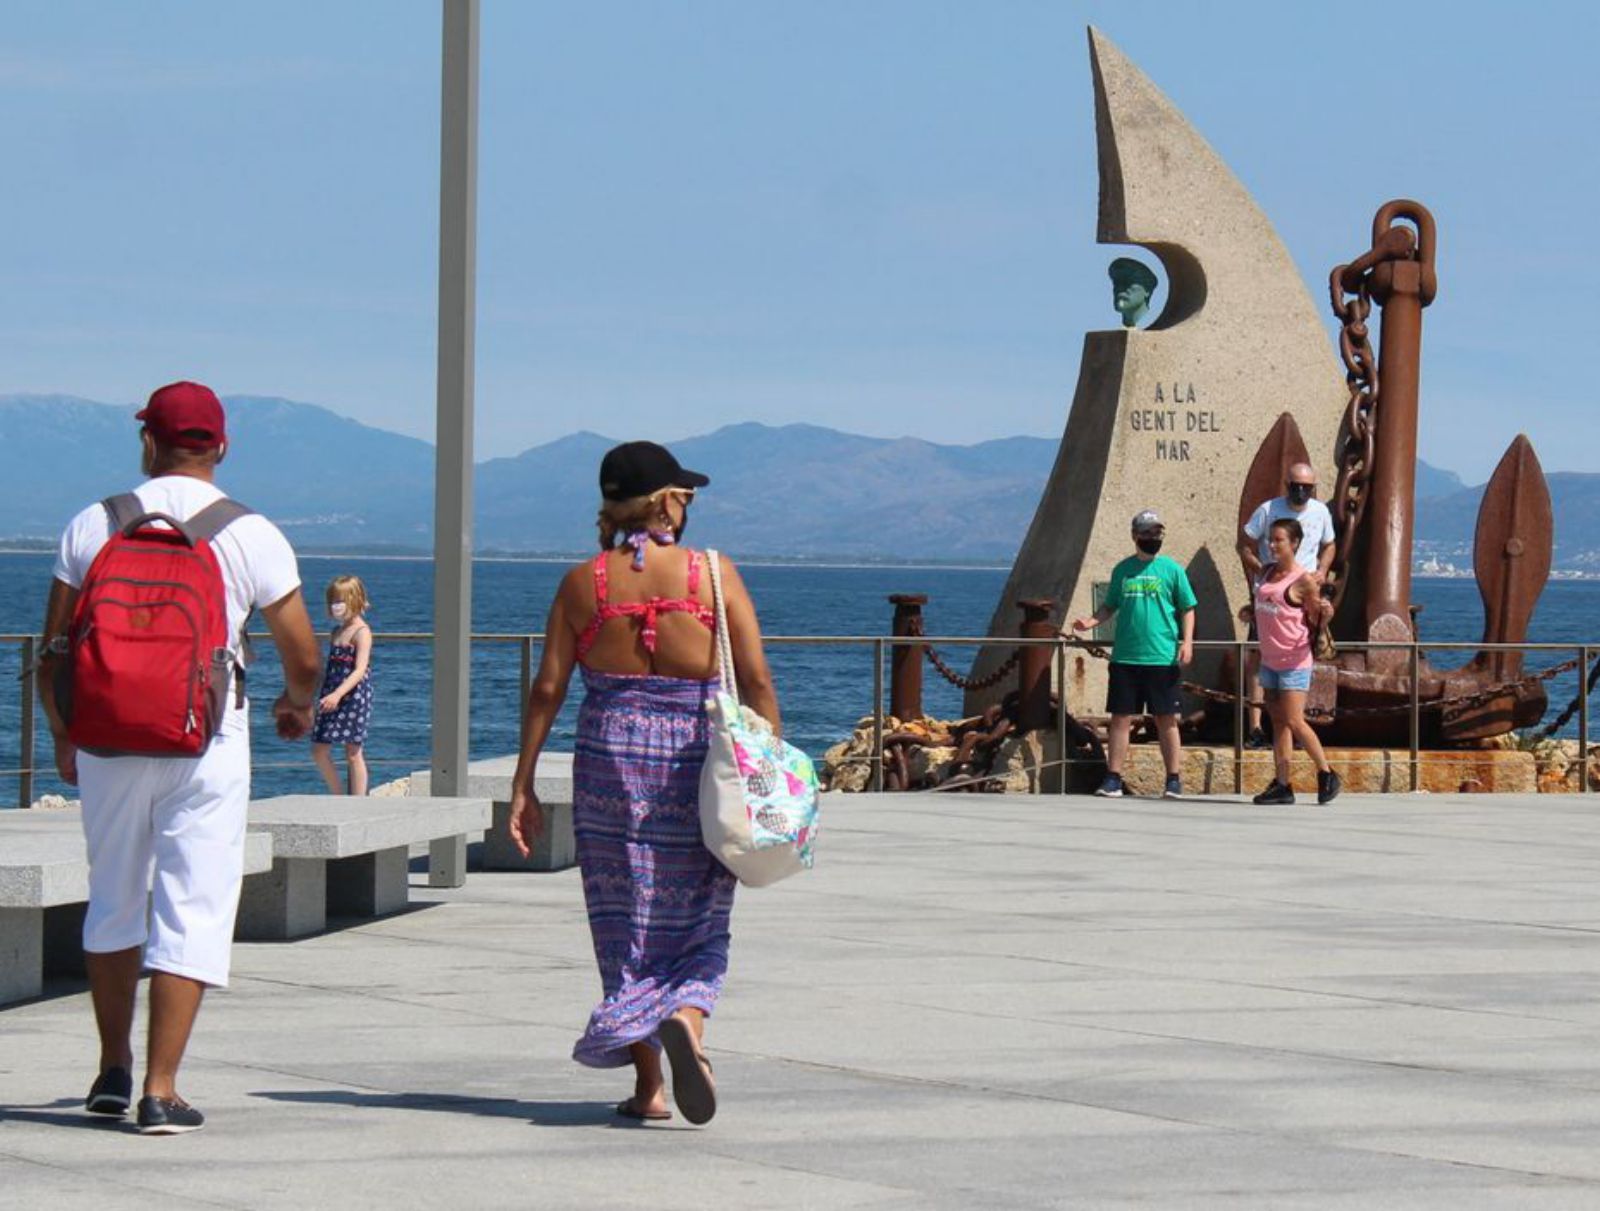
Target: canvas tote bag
758, 794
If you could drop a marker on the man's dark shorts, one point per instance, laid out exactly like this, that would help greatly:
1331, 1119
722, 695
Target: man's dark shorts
1140, 689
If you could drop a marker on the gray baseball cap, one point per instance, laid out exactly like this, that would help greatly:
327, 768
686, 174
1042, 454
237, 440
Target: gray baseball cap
1146, 520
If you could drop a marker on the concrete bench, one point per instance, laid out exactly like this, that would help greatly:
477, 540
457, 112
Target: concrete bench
341, 856
44, 889
555, 848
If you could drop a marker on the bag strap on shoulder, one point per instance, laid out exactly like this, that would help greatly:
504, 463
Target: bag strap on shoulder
214, 518
725, 668
123, 510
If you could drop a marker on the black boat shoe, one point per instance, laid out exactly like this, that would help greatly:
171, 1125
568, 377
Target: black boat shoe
1275, 795
168, 1116
111, 1092
1328, 786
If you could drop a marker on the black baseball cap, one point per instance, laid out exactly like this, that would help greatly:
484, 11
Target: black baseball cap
640, 468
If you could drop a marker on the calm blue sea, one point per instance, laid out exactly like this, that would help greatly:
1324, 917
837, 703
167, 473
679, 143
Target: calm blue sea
823, 690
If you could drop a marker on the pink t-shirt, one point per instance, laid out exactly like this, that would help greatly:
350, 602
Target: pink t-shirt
1281, 625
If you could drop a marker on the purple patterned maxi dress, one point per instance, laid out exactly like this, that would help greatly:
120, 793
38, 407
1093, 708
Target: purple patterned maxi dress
658, 901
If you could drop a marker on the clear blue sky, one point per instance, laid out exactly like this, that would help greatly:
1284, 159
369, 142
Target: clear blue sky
872, 215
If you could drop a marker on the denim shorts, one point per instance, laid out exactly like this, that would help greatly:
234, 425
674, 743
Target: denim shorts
1286, 679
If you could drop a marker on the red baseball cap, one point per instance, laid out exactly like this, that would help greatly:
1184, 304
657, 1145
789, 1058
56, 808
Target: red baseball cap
185, 414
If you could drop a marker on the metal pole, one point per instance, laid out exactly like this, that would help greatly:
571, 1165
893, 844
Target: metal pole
526, 682
905, 662
1061, 717
1583, 718
452, 484
1416, 717
877, 715
1239, 691
25, 740
1033, 666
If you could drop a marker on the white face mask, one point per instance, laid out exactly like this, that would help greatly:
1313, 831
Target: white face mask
338, 609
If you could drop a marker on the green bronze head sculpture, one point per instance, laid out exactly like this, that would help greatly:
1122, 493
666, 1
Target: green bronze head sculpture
1132, 284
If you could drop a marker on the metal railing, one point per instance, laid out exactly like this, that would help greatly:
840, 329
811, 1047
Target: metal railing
881, 646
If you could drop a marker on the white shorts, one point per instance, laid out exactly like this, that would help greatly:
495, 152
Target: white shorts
166, 855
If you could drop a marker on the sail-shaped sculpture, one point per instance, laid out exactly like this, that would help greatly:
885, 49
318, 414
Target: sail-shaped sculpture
1170, 417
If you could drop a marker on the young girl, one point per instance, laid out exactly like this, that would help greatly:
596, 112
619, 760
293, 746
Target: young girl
1286, 603
345, 708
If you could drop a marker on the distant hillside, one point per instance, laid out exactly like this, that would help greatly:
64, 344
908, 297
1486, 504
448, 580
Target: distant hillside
797, 491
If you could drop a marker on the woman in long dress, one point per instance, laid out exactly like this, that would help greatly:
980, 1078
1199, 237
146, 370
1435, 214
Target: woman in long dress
638, 621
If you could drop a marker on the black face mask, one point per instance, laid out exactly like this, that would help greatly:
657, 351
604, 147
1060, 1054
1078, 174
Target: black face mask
1149, 546
1299, 494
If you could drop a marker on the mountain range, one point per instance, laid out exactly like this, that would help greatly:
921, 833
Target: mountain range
791, 491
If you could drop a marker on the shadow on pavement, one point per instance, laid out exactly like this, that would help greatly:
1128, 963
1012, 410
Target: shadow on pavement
544, 1114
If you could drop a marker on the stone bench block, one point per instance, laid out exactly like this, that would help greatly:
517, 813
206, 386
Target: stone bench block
44, 890
342, 855
556, 847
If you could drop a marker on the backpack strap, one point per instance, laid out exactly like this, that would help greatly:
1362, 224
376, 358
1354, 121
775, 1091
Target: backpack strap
123, 510
214, 518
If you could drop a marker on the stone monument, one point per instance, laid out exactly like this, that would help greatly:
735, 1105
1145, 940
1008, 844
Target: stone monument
1170, 416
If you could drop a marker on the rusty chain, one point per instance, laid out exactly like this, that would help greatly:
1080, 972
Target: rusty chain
956, 679
1349, 501
1585, 688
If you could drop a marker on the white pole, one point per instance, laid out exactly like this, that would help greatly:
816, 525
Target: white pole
452, 507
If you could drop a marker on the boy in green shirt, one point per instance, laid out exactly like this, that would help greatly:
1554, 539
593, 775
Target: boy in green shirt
1151, 595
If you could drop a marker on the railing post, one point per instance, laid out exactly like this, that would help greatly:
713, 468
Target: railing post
1239, 691
25, 739
526, 683
1416, 718
1583, 718
1033, 666
877, 715
1061, 716
905, 662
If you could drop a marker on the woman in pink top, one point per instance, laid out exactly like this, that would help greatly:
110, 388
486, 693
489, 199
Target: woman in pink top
1287, 603
637, 623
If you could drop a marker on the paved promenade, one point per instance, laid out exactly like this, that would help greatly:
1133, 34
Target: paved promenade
974, 1003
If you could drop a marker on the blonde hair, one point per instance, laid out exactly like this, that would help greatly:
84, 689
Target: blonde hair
617, 517
351, 591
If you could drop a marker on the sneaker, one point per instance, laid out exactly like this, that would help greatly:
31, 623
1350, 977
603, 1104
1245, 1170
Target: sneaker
111, 1093
1174, 787
1111, 788
168, 1116
1275, 794
1328, 786
1257, 739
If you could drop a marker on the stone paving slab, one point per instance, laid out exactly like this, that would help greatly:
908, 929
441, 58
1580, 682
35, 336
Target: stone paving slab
973, 1002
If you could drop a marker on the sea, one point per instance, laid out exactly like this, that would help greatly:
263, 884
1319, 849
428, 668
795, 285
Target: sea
823, 689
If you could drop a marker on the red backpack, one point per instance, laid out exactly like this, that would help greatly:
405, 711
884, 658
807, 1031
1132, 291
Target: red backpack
148, 655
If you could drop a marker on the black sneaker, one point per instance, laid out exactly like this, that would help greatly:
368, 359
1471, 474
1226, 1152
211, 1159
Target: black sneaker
1111, 788
1174, 787
168, 1116
1257, 739
1328, 786
1275, 794
111, 1092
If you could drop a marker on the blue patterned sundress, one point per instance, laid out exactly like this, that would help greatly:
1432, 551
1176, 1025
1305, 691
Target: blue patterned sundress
347, 723
658, 901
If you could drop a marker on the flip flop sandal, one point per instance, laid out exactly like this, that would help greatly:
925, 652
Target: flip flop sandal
627, 1109
692, 1087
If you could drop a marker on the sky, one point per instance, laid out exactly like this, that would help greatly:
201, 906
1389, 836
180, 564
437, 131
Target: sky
874, 215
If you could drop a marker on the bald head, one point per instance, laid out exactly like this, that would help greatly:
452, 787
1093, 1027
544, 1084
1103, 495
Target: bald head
1302, 486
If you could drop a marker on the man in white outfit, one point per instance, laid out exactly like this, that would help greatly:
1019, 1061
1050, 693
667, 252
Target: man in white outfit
165, 835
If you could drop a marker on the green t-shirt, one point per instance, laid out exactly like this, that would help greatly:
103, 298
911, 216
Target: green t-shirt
1148, 597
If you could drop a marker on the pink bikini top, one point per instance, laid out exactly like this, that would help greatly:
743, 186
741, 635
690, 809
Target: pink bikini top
649, 609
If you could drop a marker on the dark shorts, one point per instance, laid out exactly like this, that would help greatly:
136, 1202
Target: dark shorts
1140, 689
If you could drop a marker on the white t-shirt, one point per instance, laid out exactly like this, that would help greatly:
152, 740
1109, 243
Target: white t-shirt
1316, 526
258, 564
